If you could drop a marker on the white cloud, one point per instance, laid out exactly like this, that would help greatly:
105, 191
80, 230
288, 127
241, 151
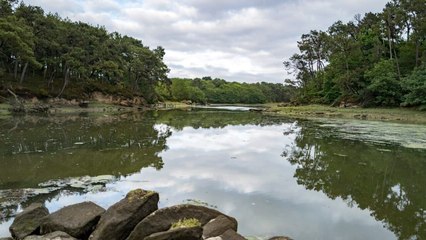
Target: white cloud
102, 6
240, 40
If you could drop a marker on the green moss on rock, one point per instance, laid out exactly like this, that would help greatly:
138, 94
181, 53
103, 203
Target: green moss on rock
138, 194
186, 223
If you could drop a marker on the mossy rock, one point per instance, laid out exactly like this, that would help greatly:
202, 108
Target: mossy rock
139, 194
163, 219
121, 218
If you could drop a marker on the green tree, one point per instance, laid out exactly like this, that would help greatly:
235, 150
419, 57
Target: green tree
6, 7
352, 61
415, 86
384, 84
17, 43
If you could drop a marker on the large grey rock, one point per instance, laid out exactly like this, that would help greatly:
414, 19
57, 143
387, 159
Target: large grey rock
231, 235
78, 220
28, 222
52, 236
121, 218
161, 220
218, 226
193, 233
228, 235
7, 238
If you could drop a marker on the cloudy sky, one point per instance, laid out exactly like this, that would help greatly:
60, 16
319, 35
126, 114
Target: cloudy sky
238, 40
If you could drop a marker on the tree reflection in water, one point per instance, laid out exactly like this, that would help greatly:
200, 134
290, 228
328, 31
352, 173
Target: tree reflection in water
36, 150
388, 180
66, 148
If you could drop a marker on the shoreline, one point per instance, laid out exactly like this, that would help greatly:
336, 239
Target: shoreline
136, 216
399, 115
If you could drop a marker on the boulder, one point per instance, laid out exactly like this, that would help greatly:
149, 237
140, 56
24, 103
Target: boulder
51, 236
231, 235
193, 233
121, 218
28, 222
228, 235
218, 226
77, 220
161, 220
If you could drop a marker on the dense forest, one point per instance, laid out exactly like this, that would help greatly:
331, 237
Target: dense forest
208, 90
51, 56
378, 59
44, 55
374, 60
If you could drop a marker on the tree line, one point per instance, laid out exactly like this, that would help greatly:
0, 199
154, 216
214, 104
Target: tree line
60, 53
378, 59
209, 90
56, 57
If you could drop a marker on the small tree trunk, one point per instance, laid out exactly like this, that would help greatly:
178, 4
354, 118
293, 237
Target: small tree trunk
66, 79
136, 83
417, 53
408, 31
397, 64
390, 48
15, 71
23, 73
389, 36
50, 81
44, 73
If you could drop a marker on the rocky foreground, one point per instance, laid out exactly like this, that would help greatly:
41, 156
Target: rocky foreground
136, 217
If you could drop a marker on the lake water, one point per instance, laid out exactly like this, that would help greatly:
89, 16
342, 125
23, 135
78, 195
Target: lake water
322, 179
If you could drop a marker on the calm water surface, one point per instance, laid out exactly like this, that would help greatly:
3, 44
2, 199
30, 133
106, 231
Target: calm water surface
330, 179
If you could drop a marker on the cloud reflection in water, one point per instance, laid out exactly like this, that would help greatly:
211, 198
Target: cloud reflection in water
240, 170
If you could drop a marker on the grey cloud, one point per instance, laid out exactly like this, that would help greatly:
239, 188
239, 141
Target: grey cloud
215, 72
103, 6
60, 6
213, 9
239, 40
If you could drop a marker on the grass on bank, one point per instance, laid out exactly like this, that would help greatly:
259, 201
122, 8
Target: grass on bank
321, 111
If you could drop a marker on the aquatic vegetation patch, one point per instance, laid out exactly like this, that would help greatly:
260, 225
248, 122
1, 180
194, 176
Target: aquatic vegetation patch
405, 135
11, 199
88, 183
